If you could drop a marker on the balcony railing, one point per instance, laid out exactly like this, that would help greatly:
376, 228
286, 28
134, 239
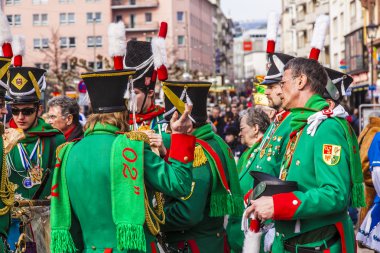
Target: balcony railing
133, 4
141, 27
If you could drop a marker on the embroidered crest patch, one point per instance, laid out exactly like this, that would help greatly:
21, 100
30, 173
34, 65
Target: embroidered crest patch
331, 154
19, 81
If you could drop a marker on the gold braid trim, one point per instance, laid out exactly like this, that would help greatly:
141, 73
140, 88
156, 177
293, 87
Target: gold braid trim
138, 136
152, 216
187, 85
59, 148
101, 74
7, 188
199, 156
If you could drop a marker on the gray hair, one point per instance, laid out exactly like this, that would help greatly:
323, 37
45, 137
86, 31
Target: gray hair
312, 69
256, 116
68, 106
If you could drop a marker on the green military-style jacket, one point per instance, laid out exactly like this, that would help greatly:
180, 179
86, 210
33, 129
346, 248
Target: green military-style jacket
267, 158
188, 220
17, 172
89, 186
321, 166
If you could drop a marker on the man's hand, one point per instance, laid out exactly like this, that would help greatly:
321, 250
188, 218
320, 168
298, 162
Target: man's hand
157, 143
262, 208
183, 125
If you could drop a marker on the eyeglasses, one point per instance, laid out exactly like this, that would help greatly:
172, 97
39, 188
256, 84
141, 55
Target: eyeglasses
54, 117
24, 111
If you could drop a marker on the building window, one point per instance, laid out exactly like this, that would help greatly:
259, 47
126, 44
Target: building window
42, 65
64, 66
12, 2
353, 10
40, 19
39, 1
67, 18
71, 18
181, 40
180, 16
36, 43
99, 65
94, 41
65, 1
94, 17
14, 20
39, 43
149, 39
118, 18
132, 2
45, 42
67, 42
148, 17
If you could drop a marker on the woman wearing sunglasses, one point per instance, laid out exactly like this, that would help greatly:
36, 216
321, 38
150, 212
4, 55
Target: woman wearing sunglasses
30, 162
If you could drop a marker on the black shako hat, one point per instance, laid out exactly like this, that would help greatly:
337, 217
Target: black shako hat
26, 84
277, 63
337, 84
4, 66
178, 93
139, 55
268, 185
106, 89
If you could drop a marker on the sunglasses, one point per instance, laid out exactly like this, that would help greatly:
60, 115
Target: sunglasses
24, 111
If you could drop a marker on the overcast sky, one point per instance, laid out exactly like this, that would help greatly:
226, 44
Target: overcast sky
250, 9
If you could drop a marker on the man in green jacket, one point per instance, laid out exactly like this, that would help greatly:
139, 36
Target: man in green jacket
267, 156
31, 161
325, 164
104, 184
194, 223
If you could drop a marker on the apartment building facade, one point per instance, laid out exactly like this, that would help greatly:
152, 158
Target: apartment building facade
78, 28
60, 29
297, 25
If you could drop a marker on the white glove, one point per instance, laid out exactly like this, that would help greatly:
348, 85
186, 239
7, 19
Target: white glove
316, 119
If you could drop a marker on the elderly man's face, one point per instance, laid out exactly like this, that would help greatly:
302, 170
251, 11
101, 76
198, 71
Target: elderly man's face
274, 95
57, 120
289, 90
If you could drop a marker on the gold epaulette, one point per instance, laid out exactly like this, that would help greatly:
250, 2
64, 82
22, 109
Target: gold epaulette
199, 156
59, 148
138, 136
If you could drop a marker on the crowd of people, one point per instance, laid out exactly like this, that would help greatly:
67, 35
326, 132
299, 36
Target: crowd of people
137, 177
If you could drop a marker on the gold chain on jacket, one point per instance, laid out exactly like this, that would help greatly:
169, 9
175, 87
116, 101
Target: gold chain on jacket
152, 217
7, 188
288, 157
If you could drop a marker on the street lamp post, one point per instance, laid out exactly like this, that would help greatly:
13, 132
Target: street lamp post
371, 34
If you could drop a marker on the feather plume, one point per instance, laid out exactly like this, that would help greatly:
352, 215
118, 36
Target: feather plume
273, 22
159, 52
117, 43
320, 30
18, 45
5, 30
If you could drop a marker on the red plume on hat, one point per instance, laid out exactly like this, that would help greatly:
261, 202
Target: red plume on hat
18, 45
5, 36
159, 54
319, 36
117, 44
272, 27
